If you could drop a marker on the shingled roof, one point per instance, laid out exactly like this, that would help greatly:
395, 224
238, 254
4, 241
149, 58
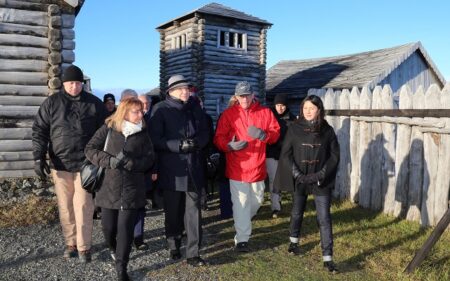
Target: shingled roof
218, 10
362, 69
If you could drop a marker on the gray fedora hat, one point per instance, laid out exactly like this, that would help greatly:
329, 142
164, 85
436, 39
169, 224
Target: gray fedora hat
177, 81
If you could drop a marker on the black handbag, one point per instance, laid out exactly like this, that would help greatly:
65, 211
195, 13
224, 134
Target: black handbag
92, 175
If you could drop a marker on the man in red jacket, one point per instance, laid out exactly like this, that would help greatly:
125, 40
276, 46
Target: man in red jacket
243, 131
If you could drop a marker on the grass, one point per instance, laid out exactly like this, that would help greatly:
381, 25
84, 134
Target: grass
34, 210
367, 246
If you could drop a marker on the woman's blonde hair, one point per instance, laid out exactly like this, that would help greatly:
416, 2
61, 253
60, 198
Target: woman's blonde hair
115, 121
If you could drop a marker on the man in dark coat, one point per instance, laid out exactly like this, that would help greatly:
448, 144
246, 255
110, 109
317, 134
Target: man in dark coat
179, 132
284, 118
63, 126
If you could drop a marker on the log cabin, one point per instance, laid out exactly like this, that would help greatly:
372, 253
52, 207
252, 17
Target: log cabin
36, 44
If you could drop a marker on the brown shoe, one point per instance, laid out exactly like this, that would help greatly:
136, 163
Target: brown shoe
85, 256
70, 252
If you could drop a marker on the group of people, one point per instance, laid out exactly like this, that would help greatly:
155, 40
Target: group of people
169, 143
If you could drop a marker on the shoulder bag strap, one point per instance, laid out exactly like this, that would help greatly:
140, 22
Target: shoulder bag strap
107, 139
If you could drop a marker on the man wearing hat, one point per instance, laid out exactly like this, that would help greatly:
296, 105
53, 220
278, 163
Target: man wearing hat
62, 127
109, 100
179, 132
284, 118
243, 131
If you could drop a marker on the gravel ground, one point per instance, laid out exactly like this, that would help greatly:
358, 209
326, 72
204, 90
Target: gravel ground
35, 253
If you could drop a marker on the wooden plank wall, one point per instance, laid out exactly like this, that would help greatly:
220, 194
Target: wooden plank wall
35, 40
397, 165
413, 72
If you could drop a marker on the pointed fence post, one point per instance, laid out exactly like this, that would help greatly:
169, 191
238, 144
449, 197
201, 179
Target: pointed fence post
354, 148
343, 135
376, 152
443, 170
431, 143
329, 103
402, 157
416, 162
388, 164
364, 153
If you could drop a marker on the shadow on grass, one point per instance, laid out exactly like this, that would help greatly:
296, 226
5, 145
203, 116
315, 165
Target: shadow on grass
271, 233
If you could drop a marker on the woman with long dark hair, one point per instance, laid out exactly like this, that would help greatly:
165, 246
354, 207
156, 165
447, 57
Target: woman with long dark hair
127, 159
308, 165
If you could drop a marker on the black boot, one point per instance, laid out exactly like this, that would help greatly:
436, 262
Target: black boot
176, 254
122, 274
331, 267
294, 249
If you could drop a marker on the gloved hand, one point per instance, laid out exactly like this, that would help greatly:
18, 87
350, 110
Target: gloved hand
256, 133
114, 162
41, 168
188, 145
299, 178
237, 145
128, 164
117, 161
315, 177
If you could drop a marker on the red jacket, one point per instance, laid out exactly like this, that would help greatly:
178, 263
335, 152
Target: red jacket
248, 164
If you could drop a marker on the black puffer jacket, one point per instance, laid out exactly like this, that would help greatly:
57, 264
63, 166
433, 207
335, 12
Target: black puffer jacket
121, 188
172, 121
311, 151
63, 126
284, 120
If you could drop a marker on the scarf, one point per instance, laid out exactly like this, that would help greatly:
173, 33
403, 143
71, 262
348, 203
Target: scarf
129, 128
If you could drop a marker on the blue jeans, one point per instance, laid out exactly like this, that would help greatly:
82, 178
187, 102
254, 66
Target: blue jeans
139, 227
322, 204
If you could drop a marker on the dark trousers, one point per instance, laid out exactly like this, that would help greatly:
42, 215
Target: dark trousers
182, 211
322, 204
117, 226
139, 227
226, 206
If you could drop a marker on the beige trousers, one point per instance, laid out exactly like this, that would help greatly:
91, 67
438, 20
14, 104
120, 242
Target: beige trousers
76, 209
246, 198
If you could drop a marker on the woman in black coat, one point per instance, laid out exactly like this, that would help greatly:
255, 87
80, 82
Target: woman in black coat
308, 164
127, 159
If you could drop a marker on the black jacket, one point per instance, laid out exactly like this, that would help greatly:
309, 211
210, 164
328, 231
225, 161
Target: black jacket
63, 126
284, 120
311, 152
121, 188
172, 121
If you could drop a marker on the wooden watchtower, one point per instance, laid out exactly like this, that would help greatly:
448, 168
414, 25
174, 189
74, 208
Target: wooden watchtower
214, 47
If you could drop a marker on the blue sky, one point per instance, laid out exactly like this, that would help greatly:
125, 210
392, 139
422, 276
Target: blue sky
117, 44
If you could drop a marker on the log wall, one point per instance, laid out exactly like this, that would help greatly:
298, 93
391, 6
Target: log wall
397, 165
36, 39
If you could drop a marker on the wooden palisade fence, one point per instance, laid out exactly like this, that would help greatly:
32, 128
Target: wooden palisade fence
394, 159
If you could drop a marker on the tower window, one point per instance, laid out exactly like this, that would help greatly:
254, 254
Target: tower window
179, 41
231, 39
